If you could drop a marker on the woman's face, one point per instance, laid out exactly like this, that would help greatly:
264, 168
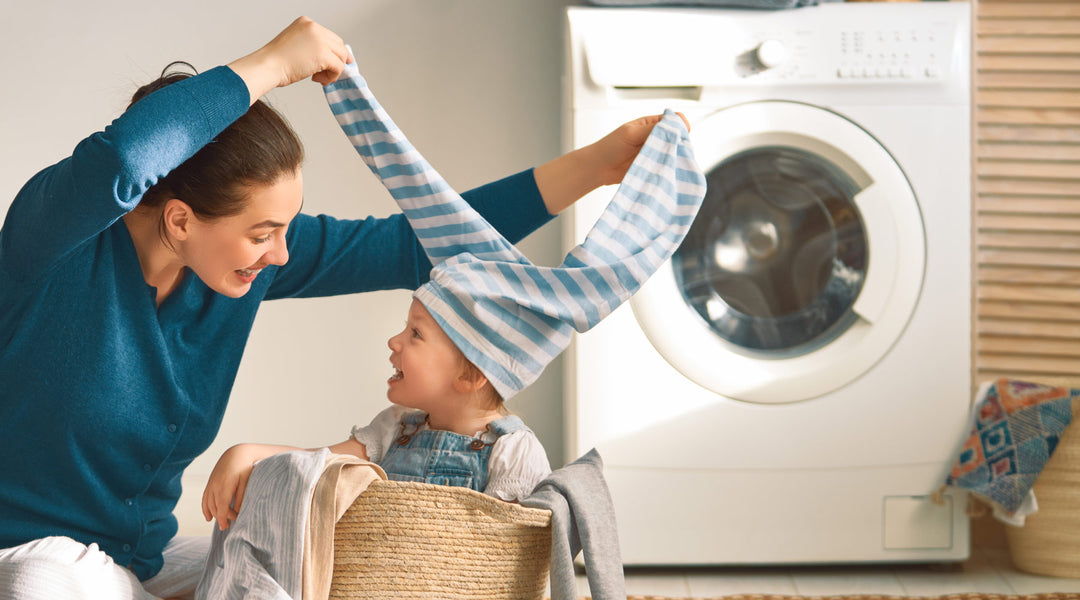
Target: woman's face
229, 252
426, 363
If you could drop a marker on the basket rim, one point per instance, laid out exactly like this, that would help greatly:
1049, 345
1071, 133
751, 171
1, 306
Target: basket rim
488, 504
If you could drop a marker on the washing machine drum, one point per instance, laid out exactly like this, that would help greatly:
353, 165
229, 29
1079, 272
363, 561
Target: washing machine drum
778, 253
804, 264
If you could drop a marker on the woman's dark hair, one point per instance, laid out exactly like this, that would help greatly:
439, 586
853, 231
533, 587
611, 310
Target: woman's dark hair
256, 149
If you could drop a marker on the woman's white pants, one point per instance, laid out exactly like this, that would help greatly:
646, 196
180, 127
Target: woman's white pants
60, 567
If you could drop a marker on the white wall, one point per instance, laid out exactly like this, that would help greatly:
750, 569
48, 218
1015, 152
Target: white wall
475, 84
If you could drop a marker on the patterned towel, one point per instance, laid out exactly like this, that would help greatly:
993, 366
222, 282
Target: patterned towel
1016, 428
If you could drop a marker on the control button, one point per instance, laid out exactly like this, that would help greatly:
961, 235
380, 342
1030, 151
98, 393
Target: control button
867, 72
907, 72
933, 71
894, 72
172, 427
771, 53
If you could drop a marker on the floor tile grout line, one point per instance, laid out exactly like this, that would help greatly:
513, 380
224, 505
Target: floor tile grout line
900, 582
996, 565
791, 578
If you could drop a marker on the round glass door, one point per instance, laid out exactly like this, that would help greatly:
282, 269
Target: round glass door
778, 253
804, 264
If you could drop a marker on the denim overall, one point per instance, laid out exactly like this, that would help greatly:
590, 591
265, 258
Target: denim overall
443, 457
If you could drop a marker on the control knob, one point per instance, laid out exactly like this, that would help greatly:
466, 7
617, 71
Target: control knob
770, 54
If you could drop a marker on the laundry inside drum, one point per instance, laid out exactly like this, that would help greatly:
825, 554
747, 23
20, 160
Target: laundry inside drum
778, 253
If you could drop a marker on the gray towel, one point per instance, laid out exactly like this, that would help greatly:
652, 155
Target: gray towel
582, 520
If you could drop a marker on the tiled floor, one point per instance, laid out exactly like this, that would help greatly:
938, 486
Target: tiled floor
988, 570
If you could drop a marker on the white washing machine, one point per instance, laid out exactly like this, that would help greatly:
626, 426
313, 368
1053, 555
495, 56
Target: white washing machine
793, 385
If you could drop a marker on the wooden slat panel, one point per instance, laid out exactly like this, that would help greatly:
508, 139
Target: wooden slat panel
1013, 62
1029, 311
1052, 133
1026, 116
1003, 185
1031, 98
992, 44
989, 80
1028, 258
1027, 346
1067, 380
1026, 168
1014, 275
1028, 151
1038, 27
1029, 293
1041, 241
1029, 169
1032, 205
1030, 364
1045, 329
1051, 223
1030, 9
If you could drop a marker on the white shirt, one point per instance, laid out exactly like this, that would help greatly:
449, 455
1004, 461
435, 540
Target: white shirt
517, 463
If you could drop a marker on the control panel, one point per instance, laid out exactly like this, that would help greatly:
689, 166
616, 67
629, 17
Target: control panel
908, 53
635, 51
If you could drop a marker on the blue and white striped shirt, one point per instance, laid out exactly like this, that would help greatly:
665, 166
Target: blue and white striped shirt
508, 316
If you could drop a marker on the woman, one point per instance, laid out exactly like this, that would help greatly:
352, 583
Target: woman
130, 275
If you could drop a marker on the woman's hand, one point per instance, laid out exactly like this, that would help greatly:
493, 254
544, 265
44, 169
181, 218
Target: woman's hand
224, 491
567, 178
617, 150
304, 49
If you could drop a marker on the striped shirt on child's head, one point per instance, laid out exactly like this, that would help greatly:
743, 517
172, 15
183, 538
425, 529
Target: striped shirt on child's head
508, 316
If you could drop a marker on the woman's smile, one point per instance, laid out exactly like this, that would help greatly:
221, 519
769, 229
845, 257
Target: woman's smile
248, 275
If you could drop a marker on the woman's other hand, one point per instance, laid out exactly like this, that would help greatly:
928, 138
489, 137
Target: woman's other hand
615, 152
567, 178
303, 49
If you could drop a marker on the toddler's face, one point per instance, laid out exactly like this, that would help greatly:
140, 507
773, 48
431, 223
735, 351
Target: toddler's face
426, 363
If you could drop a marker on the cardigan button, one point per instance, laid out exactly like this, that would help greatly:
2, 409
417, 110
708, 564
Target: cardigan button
172, 428
127, 547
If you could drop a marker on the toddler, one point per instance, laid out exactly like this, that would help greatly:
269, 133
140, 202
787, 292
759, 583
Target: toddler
447, 426
488, 321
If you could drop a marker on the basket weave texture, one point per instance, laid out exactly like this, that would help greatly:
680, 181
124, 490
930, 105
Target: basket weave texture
1049, 541
423, 541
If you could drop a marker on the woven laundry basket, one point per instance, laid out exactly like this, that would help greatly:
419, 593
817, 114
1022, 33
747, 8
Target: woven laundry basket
423, 541
1049, 541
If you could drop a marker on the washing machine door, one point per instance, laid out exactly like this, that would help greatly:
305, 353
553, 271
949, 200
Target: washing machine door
802, 268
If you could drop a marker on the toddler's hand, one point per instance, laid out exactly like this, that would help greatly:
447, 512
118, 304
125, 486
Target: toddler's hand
224, 493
